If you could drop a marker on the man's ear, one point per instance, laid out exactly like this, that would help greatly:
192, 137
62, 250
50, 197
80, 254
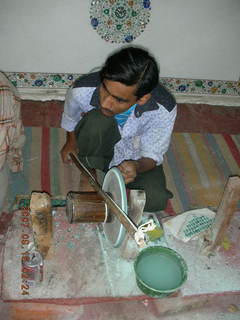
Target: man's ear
144, 99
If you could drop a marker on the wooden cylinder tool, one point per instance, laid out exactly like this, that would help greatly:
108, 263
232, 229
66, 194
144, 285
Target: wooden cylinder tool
85, 207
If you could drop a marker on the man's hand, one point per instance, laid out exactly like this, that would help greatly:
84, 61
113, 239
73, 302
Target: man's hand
128, 170
69, 147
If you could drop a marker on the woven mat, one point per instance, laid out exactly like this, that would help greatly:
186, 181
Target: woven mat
197, 167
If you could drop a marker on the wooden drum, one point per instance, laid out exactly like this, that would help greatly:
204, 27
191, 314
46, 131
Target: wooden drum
85, 207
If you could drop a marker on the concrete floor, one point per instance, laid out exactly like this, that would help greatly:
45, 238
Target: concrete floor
214, 296
214, 306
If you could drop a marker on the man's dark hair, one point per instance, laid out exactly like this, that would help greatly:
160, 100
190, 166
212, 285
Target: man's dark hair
130, 66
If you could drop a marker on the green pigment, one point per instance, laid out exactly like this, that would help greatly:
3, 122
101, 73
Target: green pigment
159, 271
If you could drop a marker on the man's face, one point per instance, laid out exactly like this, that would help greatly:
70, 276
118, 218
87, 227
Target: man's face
116, 97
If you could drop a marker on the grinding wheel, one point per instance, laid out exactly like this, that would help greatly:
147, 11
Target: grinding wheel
114, 185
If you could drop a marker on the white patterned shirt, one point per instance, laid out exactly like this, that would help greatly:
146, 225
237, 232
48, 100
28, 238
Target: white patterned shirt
148, 129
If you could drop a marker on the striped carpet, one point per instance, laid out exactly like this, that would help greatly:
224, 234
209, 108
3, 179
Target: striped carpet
197, 167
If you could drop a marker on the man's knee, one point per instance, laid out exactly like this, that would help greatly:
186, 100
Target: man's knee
97, 129
157, 200
157, 194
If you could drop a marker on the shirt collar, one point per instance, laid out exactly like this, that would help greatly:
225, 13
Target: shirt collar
150, 105
95, 101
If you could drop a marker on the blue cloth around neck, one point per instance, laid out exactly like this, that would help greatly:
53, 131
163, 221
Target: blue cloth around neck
122, 117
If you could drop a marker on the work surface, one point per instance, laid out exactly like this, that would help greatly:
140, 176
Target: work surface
82, 265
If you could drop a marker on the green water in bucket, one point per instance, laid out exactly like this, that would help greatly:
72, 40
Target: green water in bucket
159, 271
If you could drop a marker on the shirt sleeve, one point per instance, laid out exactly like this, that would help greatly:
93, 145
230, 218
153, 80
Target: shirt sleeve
155, 141
72, 110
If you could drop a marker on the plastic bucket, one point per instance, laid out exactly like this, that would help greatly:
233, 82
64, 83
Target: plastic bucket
159, 271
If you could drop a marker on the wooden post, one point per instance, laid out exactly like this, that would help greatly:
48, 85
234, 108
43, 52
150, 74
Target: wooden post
41, 214
225, 212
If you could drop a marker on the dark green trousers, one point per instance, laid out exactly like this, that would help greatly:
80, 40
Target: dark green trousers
96, 136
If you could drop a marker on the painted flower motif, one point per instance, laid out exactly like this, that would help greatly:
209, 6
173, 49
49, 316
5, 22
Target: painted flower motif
106, 37
38, 82
94, 22
120, 12
134, 13
146, 4
57, 77
198, 83
214, 90
129, 38
14, 82
182, 88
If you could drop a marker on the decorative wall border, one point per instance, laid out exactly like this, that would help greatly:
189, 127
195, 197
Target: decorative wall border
175, 85
56, 84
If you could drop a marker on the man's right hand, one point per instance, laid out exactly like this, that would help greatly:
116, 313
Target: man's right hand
69, 147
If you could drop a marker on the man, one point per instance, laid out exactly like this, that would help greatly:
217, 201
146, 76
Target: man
123, 117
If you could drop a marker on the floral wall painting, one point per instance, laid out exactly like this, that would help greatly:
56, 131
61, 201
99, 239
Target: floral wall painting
119, 21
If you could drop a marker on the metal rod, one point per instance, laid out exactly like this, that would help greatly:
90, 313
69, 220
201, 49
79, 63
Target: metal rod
120, 214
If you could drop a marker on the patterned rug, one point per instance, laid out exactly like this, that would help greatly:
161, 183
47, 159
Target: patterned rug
197, 167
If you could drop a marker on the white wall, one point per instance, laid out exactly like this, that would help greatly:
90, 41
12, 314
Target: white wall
191, 38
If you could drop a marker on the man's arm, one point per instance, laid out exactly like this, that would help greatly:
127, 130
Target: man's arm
70, 117
69, 146
144, 164
154, 144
